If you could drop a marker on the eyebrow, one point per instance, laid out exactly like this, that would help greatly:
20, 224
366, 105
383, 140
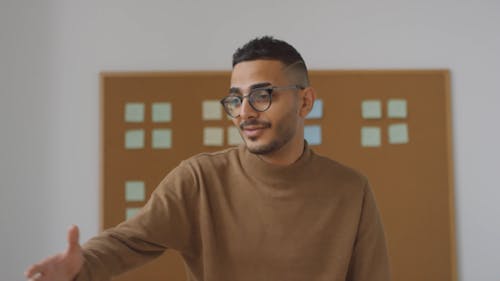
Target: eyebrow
235, 90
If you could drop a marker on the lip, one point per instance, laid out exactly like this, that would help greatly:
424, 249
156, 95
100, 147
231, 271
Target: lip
253, 132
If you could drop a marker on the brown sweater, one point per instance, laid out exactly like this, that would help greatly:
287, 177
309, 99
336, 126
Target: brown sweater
234, 217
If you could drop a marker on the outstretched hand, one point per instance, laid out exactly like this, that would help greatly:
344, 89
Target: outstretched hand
63, 266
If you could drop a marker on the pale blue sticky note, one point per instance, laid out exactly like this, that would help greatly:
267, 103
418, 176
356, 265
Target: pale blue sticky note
233, 136
134, 139
213, 136
371, 109
211, 110
370, 137
312, 134
161, 112
162, 138
134, 191
134, 112
396, 108
398, 133
131, 212
317, 110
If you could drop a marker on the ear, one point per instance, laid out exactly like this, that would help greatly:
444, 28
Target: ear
308, 98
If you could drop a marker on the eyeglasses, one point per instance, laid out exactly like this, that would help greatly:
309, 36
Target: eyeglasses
259, 99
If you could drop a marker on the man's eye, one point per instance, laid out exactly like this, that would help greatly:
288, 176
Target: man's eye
261, 96
233, 101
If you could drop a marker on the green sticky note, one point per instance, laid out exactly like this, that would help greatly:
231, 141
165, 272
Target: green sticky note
161, 112
131, 212
213, 136
370, 137
371, 109
134, 112
398, 133
134, 191
233, 136
162, 138
396, 108
134, 139
211, 110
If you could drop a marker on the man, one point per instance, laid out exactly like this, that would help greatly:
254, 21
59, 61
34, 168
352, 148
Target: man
270, 209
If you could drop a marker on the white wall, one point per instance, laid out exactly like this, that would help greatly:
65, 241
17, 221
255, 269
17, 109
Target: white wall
51, 54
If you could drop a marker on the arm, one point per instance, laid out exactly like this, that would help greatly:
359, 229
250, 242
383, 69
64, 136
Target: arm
166, 221
369, 261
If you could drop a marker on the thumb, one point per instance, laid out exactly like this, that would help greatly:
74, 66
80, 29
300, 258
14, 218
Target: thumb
73, 237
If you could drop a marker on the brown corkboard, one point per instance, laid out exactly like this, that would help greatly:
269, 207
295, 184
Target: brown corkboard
412, 181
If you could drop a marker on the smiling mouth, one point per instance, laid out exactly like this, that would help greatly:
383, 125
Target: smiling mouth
254, 129
253, 133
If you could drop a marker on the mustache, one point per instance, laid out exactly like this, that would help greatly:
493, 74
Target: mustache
254, 122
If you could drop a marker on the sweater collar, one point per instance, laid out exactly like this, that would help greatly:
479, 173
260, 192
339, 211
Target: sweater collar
276, 174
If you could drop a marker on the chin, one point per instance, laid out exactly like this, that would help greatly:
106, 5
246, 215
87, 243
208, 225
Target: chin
262, 149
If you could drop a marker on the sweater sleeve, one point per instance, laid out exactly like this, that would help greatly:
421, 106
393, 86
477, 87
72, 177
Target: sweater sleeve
369, 261
167, 221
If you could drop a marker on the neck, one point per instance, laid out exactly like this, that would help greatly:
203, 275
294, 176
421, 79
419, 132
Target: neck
287, 154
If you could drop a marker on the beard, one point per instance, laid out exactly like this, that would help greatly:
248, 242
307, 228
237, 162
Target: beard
269, 148
284, 132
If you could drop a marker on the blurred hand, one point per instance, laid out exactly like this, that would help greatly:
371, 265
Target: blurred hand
60, 267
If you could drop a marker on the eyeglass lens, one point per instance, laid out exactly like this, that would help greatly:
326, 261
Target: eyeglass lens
259, 99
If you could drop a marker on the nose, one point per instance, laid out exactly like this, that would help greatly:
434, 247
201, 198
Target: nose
247, 111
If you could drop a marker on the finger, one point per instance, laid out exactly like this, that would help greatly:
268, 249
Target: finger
36, 277
42, 270
42, 277
34, 271
31, 271
73, 238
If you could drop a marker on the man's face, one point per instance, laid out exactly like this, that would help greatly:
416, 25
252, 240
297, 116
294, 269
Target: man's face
269, 131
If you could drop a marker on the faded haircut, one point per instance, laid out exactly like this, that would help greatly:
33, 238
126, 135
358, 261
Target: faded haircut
269, 48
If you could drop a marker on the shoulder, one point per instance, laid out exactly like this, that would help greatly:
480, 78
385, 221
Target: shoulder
203, 170
209, 160
338, 173
188, 175
207, 166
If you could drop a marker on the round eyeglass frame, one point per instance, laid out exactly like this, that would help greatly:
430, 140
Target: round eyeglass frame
269, 90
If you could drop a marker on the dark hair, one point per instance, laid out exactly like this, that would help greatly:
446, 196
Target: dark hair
269, 48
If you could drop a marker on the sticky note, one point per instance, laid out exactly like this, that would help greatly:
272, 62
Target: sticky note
312, 134
134, 191
161, 112
131, 212
370, 136
212, 110
371, 109
161, 138
396, 108
134, 139
233, 136
398, 133
134, 112
213, 136
317, 110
